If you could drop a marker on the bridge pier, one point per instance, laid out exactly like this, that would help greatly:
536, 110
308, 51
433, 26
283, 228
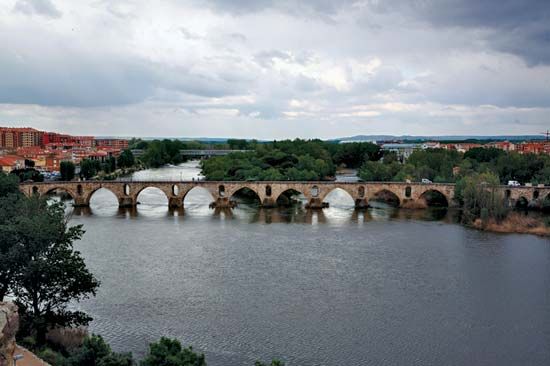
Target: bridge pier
361, 203
269, 203
223, 202
80, 202
316, 203
175, 202
127, 202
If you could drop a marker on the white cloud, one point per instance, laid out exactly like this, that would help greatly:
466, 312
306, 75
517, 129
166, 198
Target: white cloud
261, 69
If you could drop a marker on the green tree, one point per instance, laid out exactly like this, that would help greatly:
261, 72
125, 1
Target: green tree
67, 169
49, 274
484, 154
96, 352
9, 250
479, 196
353, 155
9, 183
126, 159
273, 363
169, 352
28, 174
237, 144
89, 168
117, 359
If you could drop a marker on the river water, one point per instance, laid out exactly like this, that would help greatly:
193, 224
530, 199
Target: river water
335, 287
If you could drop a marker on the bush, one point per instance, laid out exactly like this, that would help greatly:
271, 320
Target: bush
169, 352
52, 357
484, 216
69, 339
117, 359
273, 363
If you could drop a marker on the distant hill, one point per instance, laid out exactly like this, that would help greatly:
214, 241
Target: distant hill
367, 138
439, 138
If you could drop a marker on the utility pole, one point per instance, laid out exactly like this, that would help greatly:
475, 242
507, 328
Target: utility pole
547, 134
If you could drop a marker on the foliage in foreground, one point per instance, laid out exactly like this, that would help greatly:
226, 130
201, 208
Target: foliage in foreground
169, 352
40, 267
94, 351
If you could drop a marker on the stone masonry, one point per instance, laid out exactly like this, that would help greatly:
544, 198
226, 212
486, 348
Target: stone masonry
406, 194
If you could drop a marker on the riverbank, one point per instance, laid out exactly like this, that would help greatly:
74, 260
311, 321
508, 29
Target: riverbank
515, 223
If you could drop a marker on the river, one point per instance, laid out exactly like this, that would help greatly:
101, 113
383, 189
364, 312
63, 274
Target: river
334, 287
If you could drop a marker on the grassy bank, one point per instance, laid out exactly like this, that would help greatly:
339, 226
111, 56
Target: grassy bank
515, 222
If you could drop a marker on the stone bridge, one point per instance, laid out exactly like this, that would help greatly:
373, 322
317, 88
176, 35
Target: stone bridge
414, 195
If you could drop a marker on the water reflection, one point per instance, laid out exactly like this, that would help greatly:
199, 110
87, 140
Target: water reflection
252, 213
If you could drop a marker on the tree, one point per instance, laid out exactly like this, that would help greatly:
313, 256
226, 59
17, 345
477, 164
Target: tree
67, 169
479, 197
28, 174
89, 168
49, 273
9, 252
96, 352
353, 155
237, 144
169, 352
9, 183
273, 363
483, 154
117, 359
126, 159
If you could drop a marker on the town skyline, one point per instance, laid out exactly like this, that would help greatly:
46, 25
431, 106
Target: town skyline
534, 136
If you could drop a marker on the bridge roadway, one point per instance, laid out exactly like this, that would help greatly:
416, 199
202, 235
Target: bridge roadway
413, 195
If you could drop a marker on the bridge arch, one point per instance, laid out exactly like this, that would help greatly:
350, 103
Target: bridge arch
151, 190
434, 198
346, 197
522, 202
198, 195
284, 197
92, 193
353, 192
248, 191
386, 196
50, 191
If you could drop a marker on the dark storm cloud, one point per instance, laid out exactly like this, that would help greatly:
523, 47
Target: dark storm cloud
80, 80
518, 27
40, 7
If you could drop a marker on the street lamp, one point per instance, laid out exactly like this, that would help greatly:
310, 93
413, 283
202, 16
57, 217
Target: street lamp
17, 358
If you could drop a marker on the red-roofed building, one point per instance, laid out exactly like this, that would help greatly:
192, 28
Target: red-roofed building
502, 145
11, 162
534, 147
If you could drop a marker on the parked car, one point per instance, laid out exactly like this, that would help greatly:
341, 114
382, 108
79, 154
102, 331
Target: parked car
513, 183
426, 181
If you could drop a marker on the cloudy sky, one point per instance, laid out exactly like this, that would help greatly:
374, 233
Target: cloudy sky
276, 69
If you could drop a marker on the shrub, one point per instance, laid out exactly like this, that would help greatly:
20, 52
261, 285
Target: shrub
68, 339
169, 352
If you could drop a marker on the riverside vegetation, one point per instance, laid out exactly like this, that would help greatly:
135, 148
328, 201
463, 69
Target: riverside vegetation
475, 173
44, 274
